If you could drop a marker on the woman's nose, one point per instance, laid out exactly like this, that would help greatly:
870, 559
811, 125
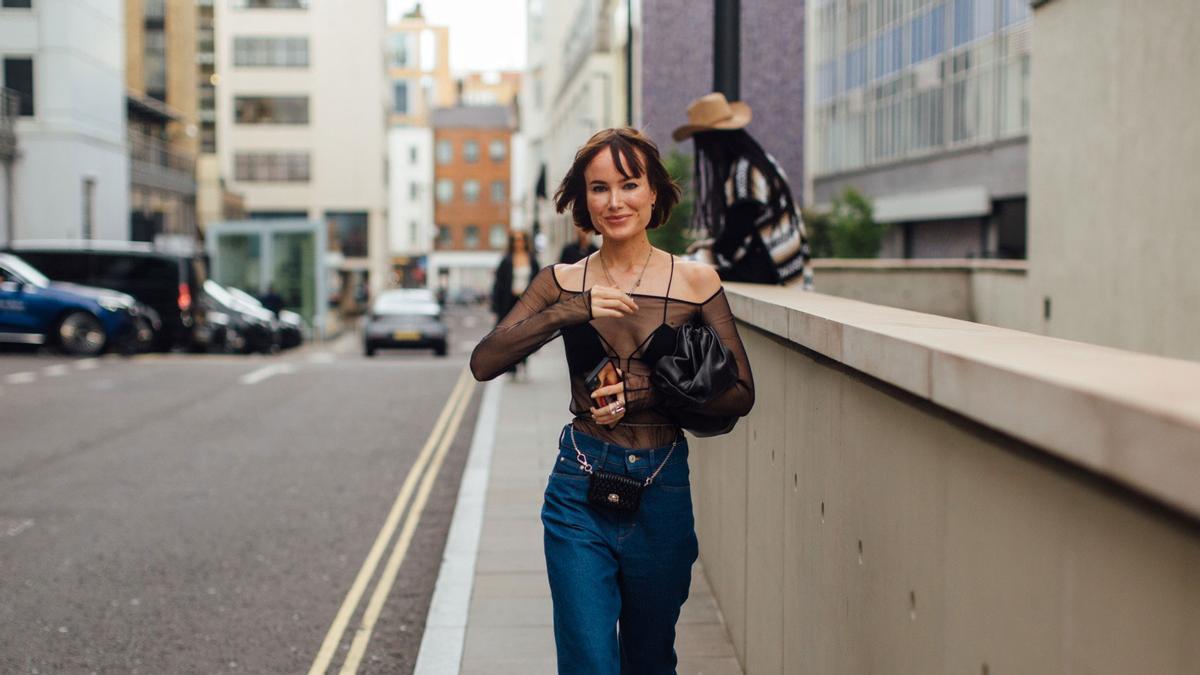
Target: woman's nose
614, 199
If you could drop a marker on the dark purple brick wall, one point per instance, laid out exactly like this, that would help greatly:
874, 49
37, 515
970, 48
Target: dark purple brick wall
677, 67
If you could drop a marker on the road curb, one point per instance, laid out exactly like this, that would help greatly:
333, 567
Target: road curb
446, 623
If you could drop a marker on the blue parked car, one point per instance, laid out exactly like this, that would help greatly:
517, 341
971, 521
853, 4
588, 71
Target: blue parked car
79, 320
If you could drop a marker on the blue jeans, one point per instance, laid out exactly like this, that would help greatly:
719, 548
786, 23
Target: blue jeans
618, 581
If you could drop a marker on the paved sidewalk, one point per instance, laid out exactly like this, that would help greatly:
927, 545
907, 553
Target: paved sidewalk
509, 626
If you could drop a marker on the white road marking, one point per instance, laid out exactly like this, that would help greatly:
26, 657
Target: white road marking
20, 378
20, 527
268, 371
86, 364
57, 370
321, 357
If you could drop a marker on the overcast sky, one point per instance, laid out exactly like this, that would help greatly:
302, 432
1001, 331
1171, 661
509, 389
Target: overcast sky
484, 34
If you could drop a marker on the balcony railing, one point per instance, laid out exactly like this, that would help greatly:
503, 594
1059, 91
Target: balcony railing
158, 152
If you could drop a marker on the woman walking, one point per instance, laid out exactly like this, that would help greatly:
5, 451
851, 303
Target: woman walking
513, 275
618, 578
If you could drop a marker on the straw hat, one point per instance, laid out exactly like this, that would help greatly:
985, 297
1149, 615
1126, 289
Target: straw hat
712, 111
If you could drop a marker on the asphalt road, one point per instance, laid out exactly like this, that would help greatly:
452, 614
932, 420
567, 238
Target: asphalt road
209, 514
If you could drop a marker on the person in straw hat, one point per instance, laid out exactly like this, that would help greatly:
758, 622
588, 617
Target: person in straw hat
744, 211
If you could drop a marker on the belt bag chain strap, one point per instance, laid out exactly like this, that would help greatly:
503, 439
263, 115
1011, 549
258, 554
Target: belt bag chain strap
614, 491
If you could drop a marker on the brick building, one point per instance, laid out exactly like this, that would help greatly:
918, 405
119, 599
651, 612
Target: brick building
472, 176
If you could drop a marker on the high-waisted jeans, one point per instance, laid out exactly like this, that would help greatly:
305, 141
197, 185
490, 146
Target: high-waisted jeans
618, 581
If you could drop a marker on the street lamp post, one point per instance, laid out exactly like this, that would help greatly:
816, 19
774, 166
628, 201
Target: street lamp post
727, 48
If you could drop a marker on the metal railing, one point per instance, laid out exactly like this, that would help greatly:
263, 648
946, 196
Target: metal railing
156, 151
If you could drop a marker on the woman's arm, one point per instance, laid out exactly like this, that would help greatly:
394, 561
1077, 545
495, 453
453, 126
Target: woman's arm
532, 322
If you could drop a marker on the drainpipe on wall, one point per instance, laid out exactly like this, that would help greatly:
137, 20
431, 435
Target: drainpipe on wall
727, 48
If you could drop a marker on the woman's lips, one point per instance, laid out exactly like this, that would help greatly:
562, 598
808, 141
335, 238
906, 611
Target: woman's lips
617, 220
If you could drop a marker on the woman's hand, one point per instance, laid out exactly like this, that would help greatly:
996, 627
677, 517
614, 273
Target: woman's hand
609, 301
612, 413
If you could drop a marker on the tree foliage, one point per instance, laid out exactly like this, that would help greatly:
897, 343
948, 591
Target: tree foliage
849, 230
673, 235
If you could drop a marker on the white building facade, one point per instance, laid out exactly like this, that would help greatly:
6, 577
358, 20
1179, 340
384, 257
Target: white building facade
410, 191
70, 175
301, 108
575, 86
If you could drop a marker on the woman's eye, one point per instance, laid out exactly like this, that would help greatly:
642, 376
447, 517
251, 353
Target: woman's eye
598, 188
631, 186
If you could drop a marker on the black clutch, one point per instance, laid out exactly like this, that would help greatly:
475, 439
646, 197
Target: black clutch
614, 491
700, 370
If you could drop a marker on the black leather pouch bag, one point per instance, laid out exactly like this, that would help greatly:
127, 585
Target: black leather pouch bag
700, 370
614, 491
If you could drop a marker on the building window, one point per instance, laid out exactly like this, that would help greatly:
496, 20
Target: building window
445, 190
413, 155
270, 4
17, 4
271, 167
403, 54
444, 237
154, 53
400, 97
471, 190
414, 190
471, 237
208, 137
497, 149
349, 229
271, 109
498, 192
445, 152
498, 236
471, 151
18, 76
270, 52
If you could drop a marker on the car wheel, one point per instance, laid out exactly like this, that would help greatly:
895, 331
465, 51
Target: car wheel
81, 333
369, 350
440, 350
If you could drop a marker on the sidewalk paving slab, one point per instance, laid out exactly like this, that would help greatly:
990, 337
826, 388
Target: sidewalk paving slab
509, 625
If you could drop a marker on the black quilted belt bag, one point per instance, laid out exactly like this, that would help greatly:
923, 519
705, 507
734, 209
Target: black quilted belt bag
614, 491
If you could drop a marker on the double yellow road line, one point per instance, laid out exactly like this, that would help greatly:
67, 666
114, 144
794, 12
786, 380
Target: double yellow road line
425, 470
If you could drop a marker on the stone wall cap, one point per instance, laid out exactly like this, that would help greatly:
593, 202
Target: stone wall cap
1131, 417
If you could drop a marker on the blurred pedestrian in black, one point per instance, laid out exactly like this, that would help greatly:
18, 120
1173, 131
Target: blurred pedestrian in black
516, 269
273, 300
579, 249
744, 210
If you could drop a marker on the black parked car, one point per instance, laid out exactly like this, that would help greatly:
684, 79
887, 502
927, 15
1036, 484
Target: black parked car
291, 324
168, 283
241, 327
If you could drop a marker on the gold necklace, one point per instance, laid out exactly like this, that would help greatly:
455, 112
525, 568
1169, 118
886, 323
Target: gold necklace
637, 283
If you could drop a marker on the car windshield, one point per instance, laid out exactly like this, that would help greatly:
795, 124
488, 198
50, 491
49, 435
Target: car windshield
24, 270
244, 296
402, 304
219, 293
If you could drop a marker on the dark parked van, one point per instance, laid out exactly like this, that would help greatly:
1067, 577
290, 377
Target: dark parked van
167, 282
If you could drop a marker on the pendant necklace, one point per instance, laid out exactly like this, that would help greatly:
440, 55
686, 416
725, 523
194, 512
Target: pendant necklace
637, 283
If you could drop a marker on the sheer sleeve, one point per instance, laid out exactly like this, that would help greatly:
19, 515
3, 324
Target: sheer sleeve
535, 320
738, 399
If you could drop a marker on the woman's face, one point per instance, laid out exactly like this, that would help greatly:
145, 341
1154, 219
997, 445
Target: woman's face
519, 242
620, 206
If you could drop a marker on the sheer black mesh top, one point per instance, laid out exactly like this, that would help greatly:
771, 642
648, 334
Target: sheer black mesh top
635, 342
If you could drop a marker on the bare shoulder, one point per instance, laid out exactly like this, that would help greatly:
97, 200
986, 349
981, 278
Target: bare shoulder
569, 276
700, 280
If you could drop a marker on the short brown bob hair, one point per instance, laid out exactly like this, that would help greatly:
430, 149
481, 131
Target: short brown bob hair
634, 155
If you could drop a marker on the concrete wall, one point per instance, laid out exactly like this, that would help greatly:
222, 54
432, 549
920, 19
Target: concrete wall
987, 291
914, 494
78, 128
1114, 164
